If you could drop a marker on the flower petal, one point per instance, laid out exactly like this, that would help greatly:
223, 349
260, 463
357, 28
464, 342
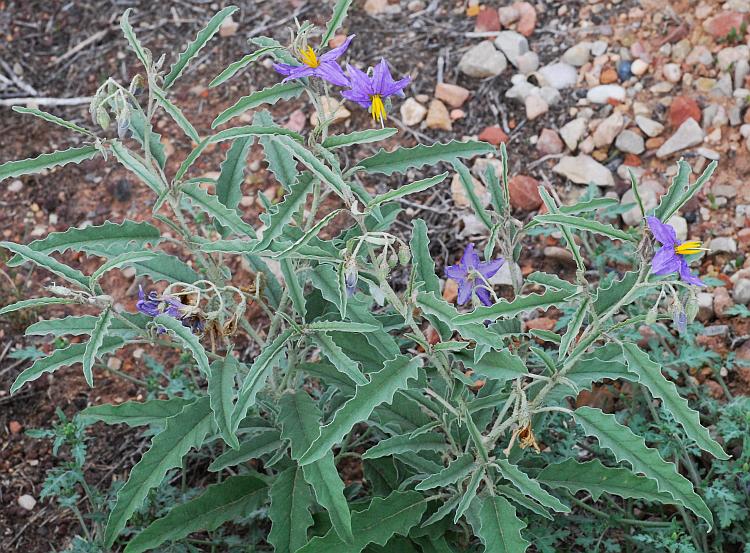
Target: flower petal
489, 268
662, 232
359, 81
456, 272
484, 295
687, 276
470, 259
464, 292
284, 68
331, 71
300, 72
665, 261
335, 53
396, 87
381, 77
362, 99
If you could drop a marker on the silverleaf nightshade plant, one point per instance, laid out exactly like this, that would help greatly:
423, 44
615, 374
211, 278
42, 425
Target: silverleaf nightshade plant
351, 352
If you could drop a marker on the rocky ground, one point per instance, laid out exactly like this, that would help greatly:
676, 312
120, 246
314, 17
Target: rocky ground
581, 91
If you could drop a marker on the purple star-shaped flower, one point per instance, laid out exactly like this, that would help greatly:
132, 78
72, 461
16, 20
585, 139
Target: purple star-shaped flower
369, 92
325, 66
470, 273
154, 304
671, 256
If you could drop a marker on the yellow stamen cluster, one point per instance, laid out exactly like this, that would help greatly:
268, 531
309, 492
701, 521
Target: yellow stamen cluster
689, 248
378, 109
308, 57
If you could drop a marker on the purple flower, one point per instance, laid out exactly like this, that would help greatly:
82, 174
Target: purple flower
671, 256
471, 274
325, 67
154, 304
369, 92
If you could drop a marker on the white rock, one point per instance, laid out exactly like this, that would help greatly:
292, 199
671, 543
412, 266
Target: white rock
722, 244
630, 142
608, 129
578, 55
535, 106
680, 226
700, 55
598, 48
583, 169
559, 75
412, 112
672, 72
482, 60
572, 132
741, 291
521, 90
503, 276
741, 71
15, 186
649, 126
512, 44
550, 95
600, 94
528, 62
638, 67
705, 306
689, 134
26, 502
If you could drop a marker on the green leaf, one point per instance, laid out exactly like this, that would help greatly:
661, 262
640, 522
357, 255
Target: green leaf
52, 119
300, 424
340, 360
189, 340
84, 325
417, 186
424, 270
572, 221
337, 19
221, 393
468, 184
229, 184
46, 161
456, 471
295, 287
551, 204
309, 235
499, 365
650, 375
176, 114
342, 326
128, 258
552, 281
270, 95
98, 334
262, 366
133, 41
280, 161
233, 68
505, 309
142, 129
498, 526
607, 296
469, 495
166, 267
358, 137
50, 263
574, 326
395, 514
194, 47
214, 208
235, 498
108, 239
598, 479
61, 358
530, 487
291, 499
680, 191
401, 159
627, 446
382, 387
254, 447
437, 307
184, 431
34, 302
136, 413
431, 441
281, 216
135, 166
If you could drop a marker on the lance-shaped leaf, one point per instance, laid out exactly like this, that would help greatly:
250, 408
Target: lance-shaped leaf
424, 271
194, 47
506, 309
340, 360
574, 326
277, 219
46, 161
650, 375
185, 336
498, 526
469, 494
436, 306
417, 186
430, 441
529, 486
133, 42
143, 131
229, 184
221, 393
551, 281
598, 479
395, 514
98, 334
608, 296
342, 326
176, 114
166, 267
184, 431
337, 19
382, 387
223, 215
34, 302
358, 137
291, 499
134, 165
52, 119
270, 95
269, 358
300, 424
253, 447
401, 159
468, 185
280, 161
117, 262
80, 325
681, 190
299, 244
235, 498
605, 229
108, 239
499, 365
136, 413
627, 446
50, 263
457, 470
61, 358
234, 67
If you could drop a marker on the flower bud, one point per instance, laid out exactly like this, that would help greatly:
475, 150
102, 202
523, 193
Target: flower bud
102, 118
679, 317
392, 260
404, 255
691, 308
652, 314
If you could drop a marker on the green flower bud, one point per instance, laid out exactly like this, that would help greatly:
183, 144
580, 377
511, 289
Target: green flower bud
392, 260
404, 255
102, 118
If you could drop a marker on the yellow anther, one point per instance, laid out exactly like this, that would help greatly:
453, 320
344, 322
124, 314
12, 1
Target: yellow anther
308, 57
378, 108
690, 247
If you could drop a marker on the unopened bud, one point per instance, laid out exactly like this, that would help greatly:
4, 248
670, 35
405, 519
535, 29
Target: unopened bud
102, 118
404, 255
652, 314
392, 260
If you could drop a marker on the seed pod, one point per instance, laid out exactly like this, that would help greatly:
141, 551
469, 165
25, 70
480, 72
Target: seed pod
404, 255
